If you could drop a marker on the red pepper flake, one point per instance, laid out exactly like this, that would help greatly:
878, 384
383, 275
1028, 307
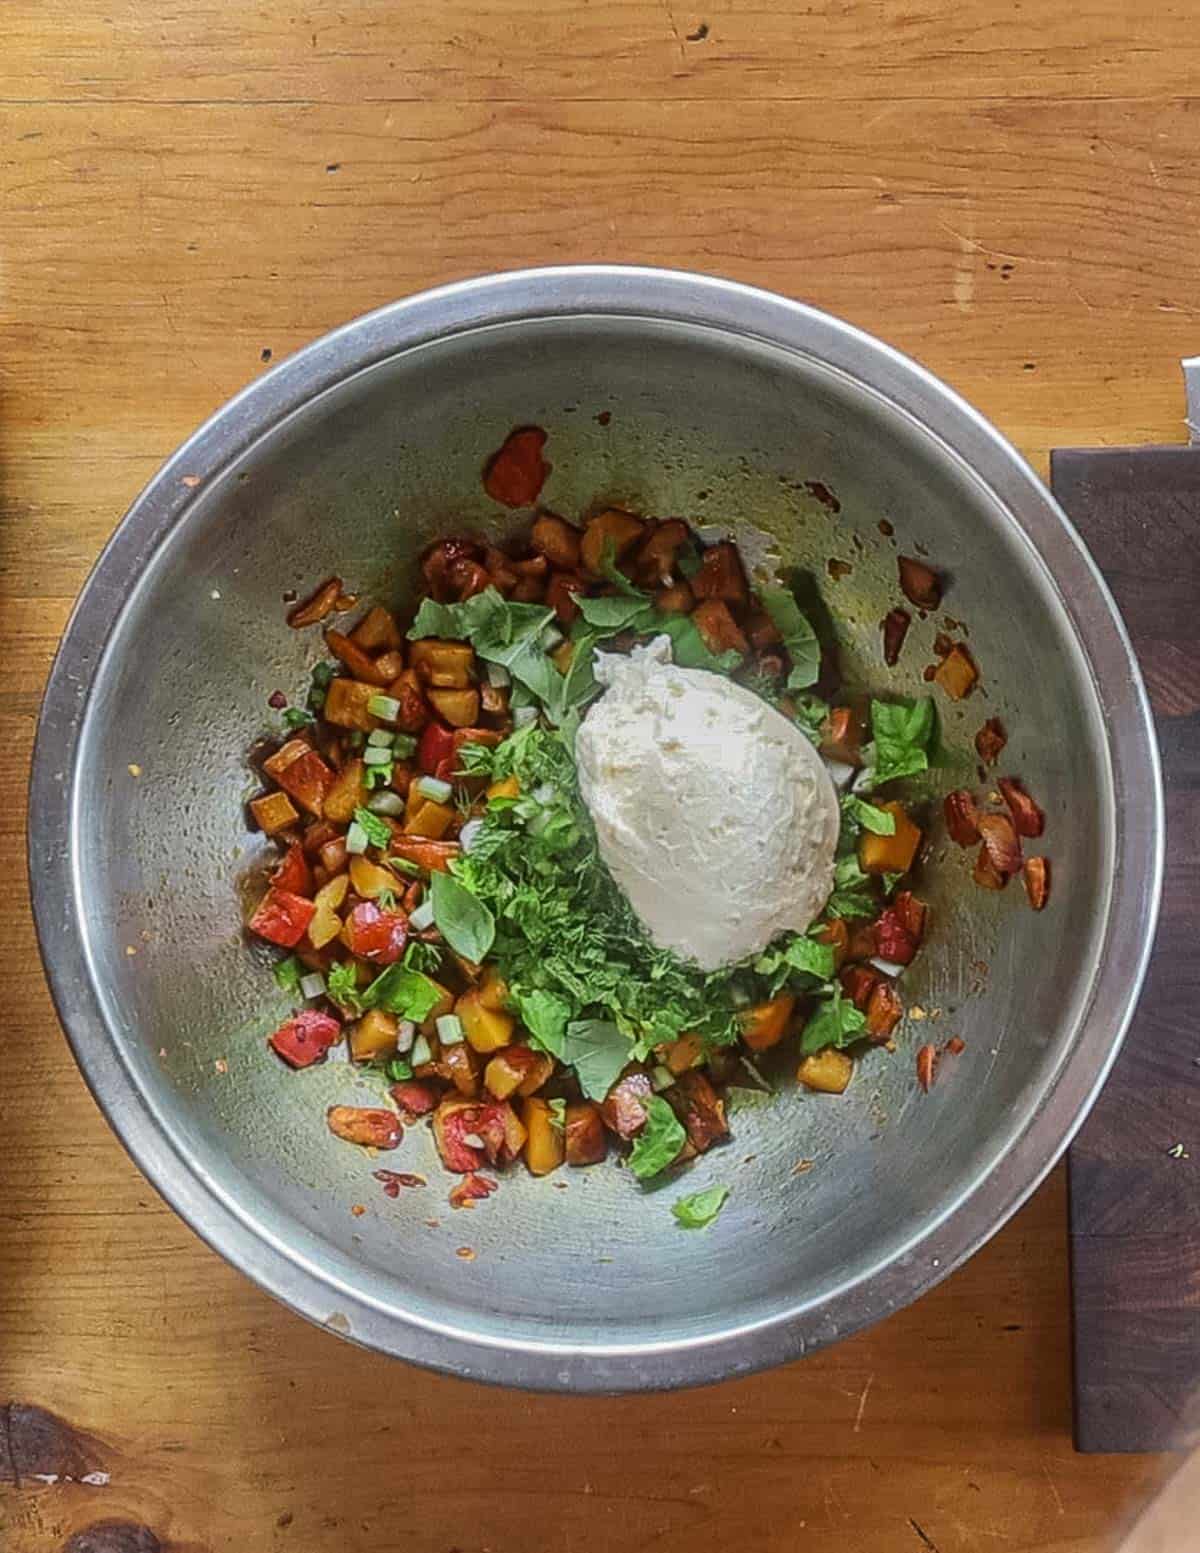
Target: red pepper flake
277, 700
358, 1209
604, 417
472, 1189
926, 1066
1037, 881
191, 481
393, 1180
516, 472
895, 628
1026, 814
990, 741
919, 583
886, 529
465, 1253
956, 1045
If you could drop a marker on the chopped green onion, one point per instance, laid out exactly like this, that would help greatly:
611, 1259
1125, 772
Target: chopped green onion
397, 1069
356, 839
374, 756
468, 835
386, 707
321, 675
378, 832
497, 675
449, 1029
421, 1052
404, 865
297, 717
434, 789
662, 1078
380, 738
386, 802
379, 776
313, 985
287, 974
558, 1113
406, 1034
404, 745
422, 918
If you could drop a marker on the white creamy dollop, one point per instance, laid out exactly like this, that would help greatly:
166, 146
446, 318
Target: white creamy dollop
713, 812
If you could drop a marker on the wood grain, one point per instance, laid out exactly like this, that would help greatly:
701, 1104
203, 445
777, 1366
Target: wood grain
1008, 192
1135, 1225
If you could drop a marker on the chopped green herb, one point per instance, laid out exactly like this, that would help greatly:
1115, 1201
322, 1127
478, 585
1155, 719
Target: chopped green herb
406, 993
700, 1208
297, 717
558, 1114
545, 1016
853, 890
426, 958
341, 983
798, 636
597, 1051
859, 812
658, 1143
463, 920
378, 832
834, 1022
902, 737
287, 973
398, 1069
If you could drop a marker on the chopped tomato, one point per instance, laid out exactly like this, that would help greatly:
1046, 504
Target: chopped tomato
414, 1097
962, 817
1000, 843
293, 874
434, 856
926, 1066
282, 918
456, 1133
515, 474
1027, 816
379, 936
473, 1188
919, 583
858, 982
435, 750
1037, 881
370, 1126
302, 774
622, 1109
895, 628
502, 1132
699, 1108
305, 1037
884, 1011
899, 929
990, 741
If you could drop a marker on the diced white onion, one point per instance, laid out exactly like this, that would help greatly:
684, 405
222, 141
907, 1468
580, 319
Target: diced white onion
468, 834
662, 1078
434, 789
545, 792
421, 1052
373, 755
840, 774
313, 985
386, 802
497, 675
524, 715
381, 737
386, 707
406, 1034
356, 839
422, 917
449, 1029
888, 967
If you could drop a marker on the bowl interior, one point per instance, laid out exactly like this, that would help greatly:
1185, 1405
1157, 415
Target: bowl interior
669, 419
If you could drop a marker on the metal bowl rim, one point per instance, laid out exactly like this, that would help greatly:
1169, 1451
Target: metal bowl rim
711, 304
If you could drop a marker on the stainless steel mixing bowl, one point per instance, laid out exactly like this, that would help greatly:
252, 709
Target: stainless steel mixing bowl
675, 394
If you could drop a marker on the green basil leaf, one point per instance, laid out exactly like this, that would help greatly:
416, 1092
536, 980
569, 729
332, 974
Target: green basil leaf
878, 821
407, 994
700, 1208
798, 636
287, 974
544, 1015
464, 922
658, 1143
597, 1050
902, 736
835, 1022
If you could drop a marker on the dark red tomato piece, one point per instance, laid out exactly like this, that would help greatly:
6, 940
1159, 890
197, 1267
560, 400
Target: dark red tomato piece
473, 1188
305, 1037
516, 473
858, 982
1027, 816
900, 928
282, 918
435, 749
378, 936
369, 1126
293, 874
414, 1098
503, 1135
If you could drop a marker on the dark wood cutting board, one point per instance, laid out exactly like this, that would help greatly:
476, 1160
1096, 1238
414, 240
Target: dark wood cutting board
1135, 1167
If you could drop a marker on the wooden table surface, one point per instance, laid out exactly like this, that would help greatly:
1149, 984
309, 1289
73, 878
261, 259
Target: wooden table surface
1009, 191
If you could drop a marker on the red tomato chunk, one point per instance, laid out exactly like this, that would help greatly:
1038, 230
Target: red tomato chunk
306, 1037
282, 918
379, 936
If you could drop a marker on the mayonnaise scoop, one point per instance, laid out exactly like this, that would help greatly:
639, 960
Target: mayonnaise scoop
713, 813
